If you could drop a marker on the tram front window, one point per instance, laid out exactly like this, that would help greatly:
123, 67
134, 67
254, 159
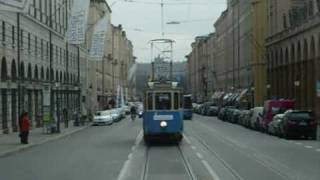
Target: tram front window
163, 101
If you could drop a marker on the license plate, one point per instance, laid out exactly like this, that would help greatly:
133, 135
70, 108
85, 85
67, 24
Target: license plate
303, 124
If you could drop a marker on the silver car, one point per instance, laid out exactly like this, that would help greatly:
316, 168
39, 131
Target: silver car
103, 118
116, 115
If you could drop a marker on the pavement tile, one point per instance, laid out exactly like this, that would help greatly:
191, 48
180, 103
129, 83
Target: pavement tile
10, 143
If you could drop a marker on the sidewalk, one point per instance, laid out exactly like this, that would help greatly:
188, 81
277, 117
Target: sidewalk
10, 143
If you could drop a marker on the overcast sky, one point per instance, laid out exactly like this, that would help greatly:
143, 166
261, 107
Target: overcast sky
142, 21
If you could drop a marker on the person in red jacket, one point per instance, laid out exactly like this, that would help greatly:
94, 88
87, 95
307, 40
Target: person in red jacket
24, 125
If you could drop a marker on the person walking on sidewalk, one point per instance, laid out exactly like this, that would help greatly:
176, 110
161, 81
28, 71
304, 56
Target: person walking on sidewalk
24, 125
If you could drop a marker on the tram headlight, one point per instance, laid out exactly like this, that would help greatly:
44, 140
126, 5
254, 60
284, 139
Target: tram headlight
163, 124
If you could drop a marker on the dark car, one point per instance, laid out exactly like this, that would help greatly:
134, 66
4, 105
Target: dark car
244, 117
213, 111
206, 107
297, 123
222, 114
235, 116
229, 113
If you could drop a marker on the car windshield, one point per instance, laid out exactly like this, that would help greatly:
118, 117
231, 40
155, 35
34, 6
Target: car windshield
300, 116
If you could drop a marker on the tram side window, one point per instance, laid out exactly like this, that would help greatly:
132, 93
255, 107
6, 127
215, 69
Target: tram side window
150, 99
163, 101
176, 100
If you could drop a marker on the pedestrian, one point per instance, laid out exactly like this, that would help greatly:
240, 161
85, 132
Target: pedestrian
65, 117
24, 126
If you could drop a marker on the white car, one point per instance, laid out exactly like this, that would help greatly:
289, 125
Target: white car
256, 117
103, 118
115, 113
122, 112
127, 109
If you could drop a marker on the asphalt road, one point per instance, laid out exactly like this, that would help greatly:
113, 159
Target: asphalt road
210, 150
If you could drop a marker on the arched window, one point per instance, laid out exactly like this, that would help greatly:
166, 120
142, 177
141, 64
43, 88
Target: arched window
13, 70
311, 8
21, 73
29, 72
42, 74
4, 72
36, 72
47, 75
305, 50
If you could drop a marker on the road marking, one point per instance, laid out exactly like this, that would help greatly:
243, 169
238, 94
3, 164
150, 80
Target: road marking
130, 156
211, 171
199, 155
125, 168
298, 143
318, 150
308, 147
187, 139
193, 147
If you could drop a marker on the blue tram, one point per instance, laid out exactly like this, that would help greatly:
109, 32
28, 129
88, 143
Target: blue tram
187, 107
163, 114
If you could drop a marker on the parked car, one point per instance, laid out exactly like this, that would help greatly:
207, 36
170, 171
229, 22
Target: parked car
244, 117
126, 109
115, 113
274, 107
213, 111
274, 125
222, 114
122, 112
235, 116
256, 118
229, 113
103, 118
297, 123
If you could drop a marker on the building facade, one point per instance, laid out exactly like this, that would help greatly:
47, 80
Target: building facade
37, 66
232, 58
42, 74
293, 52
111, 72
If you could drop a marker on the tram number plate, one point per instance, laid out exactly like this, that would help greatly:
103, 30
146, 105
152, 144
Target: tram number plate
162, 117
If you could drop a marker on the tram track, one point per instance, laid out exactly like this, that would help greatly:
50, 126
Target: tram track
251, 156
145, 175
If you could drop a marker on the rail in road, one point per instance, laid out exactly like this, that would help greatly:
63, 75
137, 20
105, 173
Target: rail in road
174, 159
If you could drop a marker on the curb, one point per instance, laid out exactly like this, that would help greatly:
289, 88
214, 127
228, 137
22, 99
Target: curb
24, 147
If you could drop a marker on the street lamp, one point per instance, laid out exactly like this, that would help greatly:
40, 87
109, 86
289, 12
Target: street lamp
297, 83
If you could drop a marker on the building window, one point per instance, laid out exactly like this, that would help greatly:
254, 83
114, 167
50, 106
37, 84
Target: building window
3, 31
57, 54
285, 25
21, 38
311, 8
47, 50
29, 42
61, 55
35, 45
41, 48
13, 36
